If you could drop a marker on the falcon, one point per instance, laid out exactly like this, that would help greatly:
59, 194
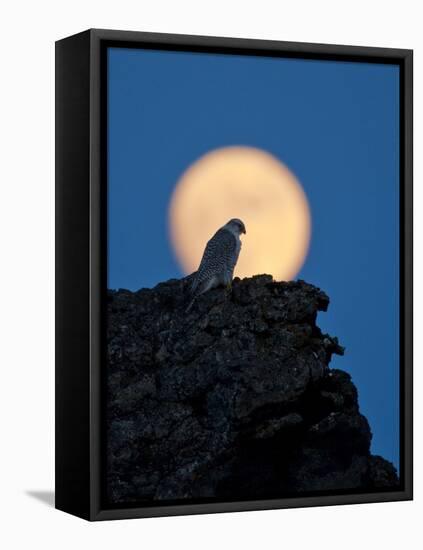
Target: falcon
219, 259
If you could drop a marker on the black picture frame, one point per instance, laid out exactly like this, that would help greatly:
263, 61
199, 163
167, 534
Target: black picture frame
81, 241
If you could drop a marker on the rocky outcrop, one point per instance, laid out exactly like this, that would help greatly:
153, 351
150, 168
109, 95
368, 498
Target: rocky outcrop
234, 399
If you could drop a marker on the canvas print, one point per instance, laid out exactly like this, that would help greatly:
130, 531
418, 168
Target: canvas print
253, 277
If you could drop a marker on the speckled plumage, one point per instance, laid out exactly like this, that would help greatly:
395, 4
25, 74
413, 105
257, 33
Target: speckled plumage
219, 259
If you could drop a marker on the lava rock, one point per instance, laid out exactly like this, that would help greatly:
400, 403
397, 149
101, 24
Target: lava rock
234, 399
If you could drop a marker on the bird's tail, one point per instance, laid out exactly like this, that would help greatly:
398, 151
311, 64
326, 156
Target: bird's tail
190, 304
192, 291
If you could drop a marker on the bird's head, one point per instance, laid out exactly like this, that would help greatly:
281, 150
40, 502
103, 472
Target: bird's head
236, 226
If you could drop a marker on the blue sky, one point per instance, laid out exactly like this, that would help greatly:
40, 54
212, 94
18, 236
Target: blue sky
334, 124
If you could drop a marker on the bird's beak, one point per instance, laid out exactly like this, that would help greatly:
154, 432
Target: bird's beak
244, 231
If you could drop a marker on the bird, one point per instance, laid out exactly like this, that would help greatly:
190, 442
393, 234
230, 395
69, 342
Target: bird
219, 259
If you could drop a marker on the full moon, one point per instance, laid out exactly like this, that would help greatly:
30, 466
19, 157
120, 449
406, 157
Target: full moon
250, 184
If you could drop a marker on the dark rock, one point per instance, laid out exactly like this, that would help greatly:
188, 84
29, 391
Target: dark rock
233, 400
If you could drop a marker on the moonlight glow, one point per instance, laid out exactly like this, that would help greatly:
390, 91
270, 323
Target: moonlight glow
246, 183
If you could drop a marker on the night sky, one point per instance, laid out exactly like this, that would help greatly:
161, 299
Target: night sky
334, 124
